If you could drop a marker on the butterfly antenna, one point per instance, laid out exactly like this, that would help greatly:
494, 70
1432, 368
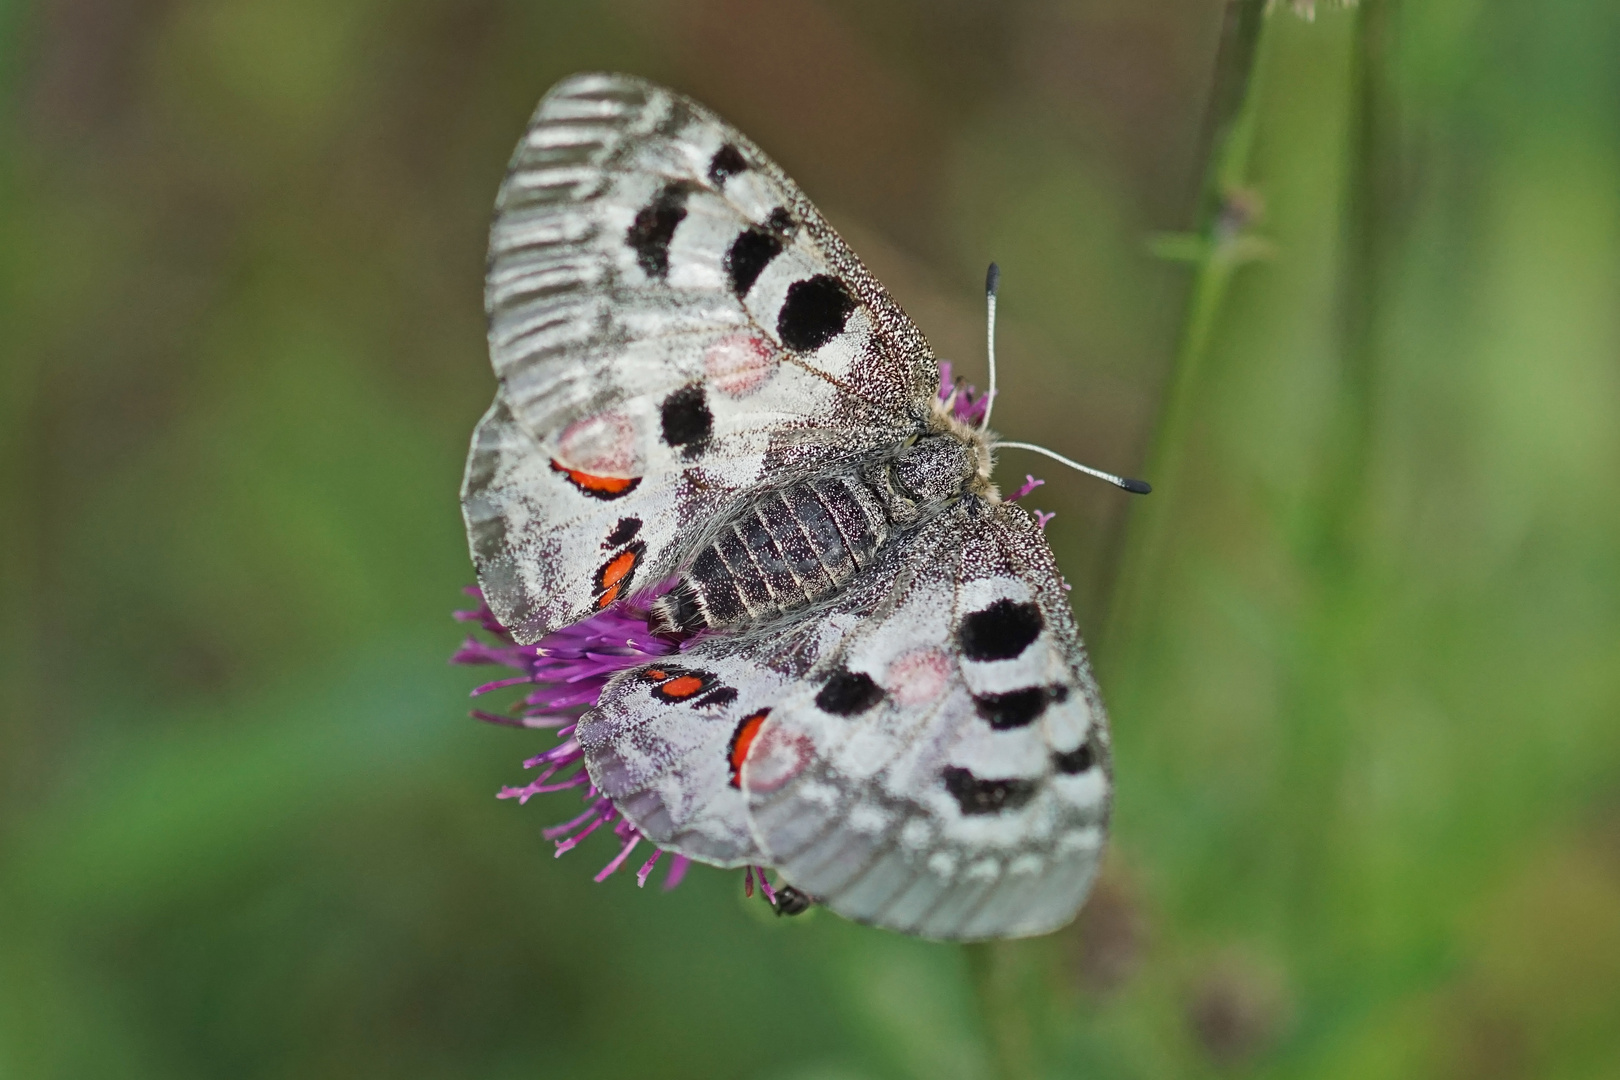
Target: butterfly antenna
992, 280
1135, 487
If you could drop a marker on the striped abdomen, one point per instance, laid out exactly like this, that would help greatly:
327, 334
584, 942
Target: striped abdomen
785, 550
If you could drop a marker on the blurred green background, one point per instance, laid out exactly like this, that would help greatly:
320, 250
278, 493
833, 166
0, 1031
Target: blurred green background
1364, 655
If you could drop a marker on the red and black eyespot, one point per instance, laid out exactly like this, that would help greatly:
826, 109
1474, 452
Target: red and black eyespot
742, 740
598, 487
679, 684
613, 577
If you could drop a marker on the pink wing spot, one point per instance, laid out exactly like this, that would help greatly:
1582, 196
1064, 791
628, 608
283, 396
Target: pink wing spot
919, 677
603, 445
775, 757
740, 364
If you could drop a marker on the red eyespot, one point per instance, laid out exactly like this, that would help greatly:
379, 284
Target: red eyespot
620, 565
700, 688
682, 686
614, 577
741, 741
600, 487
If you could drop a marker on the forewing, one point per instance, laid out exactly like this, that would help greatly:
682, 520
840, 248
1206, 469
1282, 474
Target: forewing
673, 325
944, 767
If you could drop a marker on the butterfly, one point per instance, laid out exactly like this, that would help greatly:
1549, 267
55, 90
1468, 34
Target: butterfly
709, 411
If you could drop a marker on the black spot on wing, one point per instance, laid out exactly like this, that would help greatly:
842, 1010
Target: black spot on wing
650, 234
977, 796
781, 222
1000, 631
724, 695
814, 312
622, 532
1018, 708
726, 163
687, 421
750, 254
848, 693
1079, 760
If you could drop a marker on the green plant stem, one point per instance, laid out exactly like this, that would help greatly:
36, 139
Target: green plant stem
996, 970
1228, 130
1225, 142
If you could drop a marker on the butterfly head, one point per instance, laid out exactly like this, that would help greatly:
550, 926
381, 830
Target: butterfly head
953, 435
936, 469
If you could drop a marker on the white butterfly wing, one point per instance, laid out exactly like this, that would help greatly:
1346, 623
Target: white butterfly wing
673, 324
945, 772
927, 753
662, 743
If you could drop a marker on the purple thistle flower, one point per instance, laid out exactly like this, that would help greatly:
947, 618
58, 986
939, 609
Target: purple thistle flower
1029, 485
567, 670
968, 405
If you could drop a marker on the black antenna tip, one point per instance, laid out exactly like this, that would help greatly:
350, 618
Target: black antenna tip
992, 278
1136, 487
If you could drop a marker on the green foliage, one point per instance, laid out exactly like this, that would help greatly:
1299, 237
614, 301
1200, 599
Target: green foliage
1364, 650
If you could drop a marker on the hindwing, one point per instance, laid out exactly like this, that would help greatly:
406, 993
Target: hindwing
928, 753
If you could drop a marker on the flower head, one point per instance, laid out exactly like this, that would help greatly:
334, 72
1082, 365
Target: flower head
961, 396
565, 672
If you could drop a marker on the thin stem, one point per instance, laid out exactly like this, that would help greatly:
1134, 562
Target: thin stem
1331, 540
1228, 127
1006, 1021
1228, 102
1371, 206
1227, 136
